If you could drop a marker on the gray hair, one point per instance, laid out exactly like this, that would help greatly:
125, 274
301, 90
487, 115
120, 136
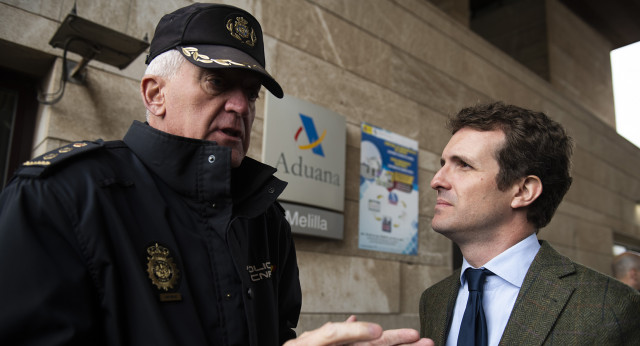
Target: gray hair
165, 65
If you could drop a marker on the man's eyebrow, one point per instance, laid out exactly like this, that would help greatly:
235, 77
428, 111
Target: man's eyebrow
456, 158
252, 83
205, 72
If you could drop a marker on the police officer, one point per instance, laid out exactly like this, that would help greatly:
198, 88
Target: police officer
171, 236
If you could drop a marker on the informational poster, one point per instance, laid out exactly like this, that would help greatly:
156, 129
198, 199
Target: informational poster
388, 192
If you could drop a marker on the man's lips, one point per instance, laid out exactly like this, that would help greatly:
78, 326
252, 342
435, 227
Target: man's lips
442, 202
232, 134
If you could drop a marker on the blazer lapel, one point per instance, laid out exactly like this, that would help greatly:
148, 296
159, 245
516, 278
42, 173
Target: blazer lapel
542, 298
439, 301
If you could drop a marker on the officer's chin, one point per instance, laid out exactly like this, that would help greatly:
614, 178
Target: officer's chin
236, 158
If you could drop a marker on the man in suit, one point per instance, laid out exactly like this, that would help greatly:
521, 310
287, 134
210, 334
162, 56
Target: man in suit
503, 173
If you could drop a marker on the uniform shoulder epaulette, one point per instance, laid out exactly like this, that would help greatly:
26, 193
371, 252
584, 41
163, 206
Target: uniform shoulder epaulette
45, 163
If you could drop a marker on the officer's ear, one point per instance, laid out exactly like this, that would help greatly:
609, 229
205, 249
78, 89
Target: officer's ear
528, 190
152, 94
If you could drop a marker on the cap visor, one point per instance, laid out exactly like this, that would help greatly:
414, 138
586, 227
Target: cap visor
214, 57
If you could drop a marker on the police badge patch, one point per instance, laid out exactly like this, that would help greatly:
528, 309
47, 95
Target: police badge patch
163, 272
241, 31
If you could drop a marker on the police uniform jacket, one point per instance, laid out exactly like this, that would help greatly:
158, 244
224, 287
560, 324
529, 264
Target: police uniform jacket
153, 240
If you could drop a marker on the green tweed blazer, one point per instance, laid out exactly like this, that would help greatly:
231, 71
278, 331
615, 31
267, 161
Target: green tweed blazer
560, 303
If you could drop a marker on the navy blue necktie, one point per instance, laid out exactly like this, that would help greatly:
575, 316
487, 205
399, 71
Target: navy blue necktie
473, 330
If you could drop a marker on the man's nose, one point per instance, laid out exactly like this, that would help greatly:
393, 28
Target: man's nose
439, 179
238, 101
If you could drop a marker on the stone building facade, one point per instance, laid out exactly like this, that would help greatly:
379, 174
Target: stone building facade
402, 65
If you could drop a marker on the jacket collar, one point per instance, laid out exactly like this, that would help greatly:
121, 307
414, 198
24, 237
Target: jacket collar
200, 169
548, 283
453, 284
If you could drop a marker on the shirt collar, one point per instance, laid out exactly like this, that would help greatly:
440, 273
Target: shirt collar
512, 264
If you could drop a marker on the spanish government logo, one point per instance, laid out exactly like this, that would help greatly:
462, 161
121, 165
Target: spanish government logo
162, 271
314, 141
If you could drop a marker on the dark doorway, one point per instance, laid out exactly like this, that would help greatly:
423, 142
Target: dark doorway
18, 109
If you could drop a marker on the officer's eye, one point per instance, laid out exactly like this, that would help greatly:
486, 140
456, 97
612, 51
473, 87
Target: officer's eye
214, 84
253, 93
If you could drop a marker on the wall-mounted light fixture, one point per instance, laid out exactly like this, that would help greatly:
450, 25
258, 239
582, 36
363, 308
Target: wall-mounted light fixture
91, 41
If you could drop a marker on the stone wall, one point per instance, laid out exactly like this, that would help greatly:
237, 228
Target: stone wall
580, 62
402, 65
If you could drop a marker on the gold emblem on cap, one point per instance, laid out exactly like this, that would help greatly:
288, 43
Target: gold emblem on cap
65, 150
161, 269
49, 156
242, 31
193, 53
79, 145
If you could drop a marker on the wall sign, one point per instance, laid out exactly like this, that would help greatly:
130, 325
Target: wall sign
388, 219
306, 143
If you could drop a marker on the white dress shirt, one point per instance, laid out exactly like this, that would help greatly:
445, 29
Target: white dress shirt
500, 290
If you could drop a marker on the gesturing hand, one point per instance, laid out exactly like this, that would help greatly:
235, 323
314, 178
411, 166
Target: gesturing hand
352, 332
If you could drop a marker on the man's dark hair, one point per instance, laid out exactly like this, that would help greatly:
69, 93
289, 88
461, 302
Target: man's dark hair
534, 145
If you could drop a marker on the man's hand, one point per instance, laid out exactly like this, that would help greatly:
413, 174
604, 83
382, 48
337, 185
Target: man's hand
356, 333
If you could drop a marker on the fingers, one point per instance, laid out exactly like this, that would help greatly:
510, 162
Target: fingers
351, 318
352, 332
425, 342
407, 337
338, 334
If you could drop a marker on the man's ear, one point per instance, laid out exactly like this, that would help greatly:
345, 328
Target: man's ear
634, 274
529, 189
151, 88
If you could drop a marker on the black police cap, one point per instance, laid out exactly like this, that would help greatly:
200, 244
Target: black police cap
214, 36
